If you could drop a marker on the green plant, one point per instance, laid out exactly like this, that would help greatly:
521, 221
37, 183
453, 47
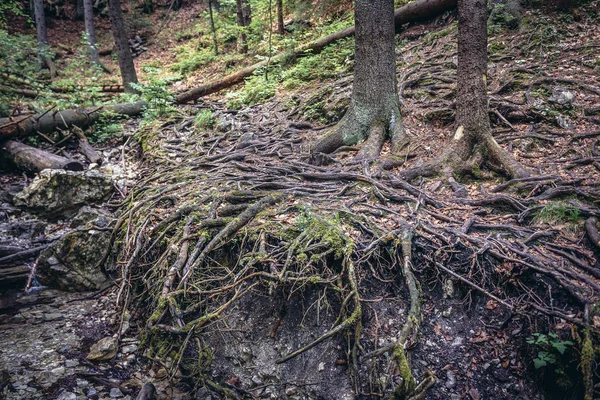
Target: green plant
107, 127
189, 60
155, 92
204, 119
558, 212
549, 347
256, 89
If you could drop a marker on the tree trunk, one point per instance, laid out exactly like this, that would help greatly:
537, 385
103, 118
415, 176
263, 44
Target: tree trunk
419, 10
374, 109
279, 29
473, 142
13, 276
89, 29
79, 10
42, 36
40, 22
30, 159
117, 24
212, 27
243, 21
148, 7
50, 121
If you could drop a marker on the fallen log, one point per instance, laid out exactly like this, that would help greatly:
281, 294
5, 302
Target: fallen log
416, 11
86, 148
50, 121
12, 276
30, 159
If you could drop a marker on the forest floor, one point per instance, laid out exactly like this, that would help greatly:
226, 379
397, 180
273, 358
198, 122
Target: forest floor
236, 250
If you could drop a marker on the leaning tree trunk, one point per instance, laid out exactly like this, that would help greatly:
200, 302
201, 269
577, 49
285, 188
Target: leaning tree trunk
243, 21
280, 28
117, 24
473, 142
90, 32
374, 108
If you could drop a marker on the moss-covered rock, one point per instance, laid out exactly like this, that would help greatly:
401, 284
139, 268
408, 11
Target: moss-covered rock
56, 193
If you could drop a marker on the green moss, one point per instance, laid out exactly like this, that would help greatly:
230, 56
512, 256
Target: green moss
408, 384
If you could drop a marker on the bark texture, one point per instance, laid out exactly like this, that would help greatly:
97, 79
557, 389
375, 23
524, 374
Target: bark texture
244, 18
419, 10
42, 36
89, 29
280, 28
374, 109
473, 142
212, 27
472, 145
49, 121
30, 159
117, 24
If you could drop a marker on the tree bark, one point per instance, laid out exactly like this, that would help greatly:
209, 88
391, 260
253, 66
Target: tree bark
374, 110
89, 29
419, 10
30, 159
148, 7
280, 27
50, 121
42, 36
13, 276
474, 142
117, 24
79, 10
212, 27
243, 20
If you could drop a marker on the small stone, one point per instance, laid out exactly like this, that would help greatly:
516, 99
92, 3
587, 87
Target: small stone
92, 392
58, 371
71, 363
104, 349
67, 396
451, 379
129, 349
115, 393
52, 317
448, 289
321, 367
161, 373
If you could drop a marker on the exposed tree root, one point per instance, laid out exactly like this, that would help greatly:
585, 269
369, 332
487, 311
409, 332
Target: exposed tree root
199, 237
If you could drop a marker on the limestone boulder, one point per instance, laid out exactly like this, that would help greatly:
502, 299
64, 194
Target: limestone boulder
73, 262
57, 193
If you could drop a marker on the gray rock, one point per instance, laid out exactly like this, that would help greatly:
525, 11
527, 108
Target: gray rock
115, 393
450, 379
561, 96
67, 396
58, 192
104, 349
72, 263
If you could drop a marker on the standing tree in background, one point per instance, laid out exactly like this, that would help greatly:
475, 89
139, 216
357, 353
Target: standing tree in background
212, 27
280, 28
374, 111
117, 24
42, 36
79, 10
90, 32
243, 20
